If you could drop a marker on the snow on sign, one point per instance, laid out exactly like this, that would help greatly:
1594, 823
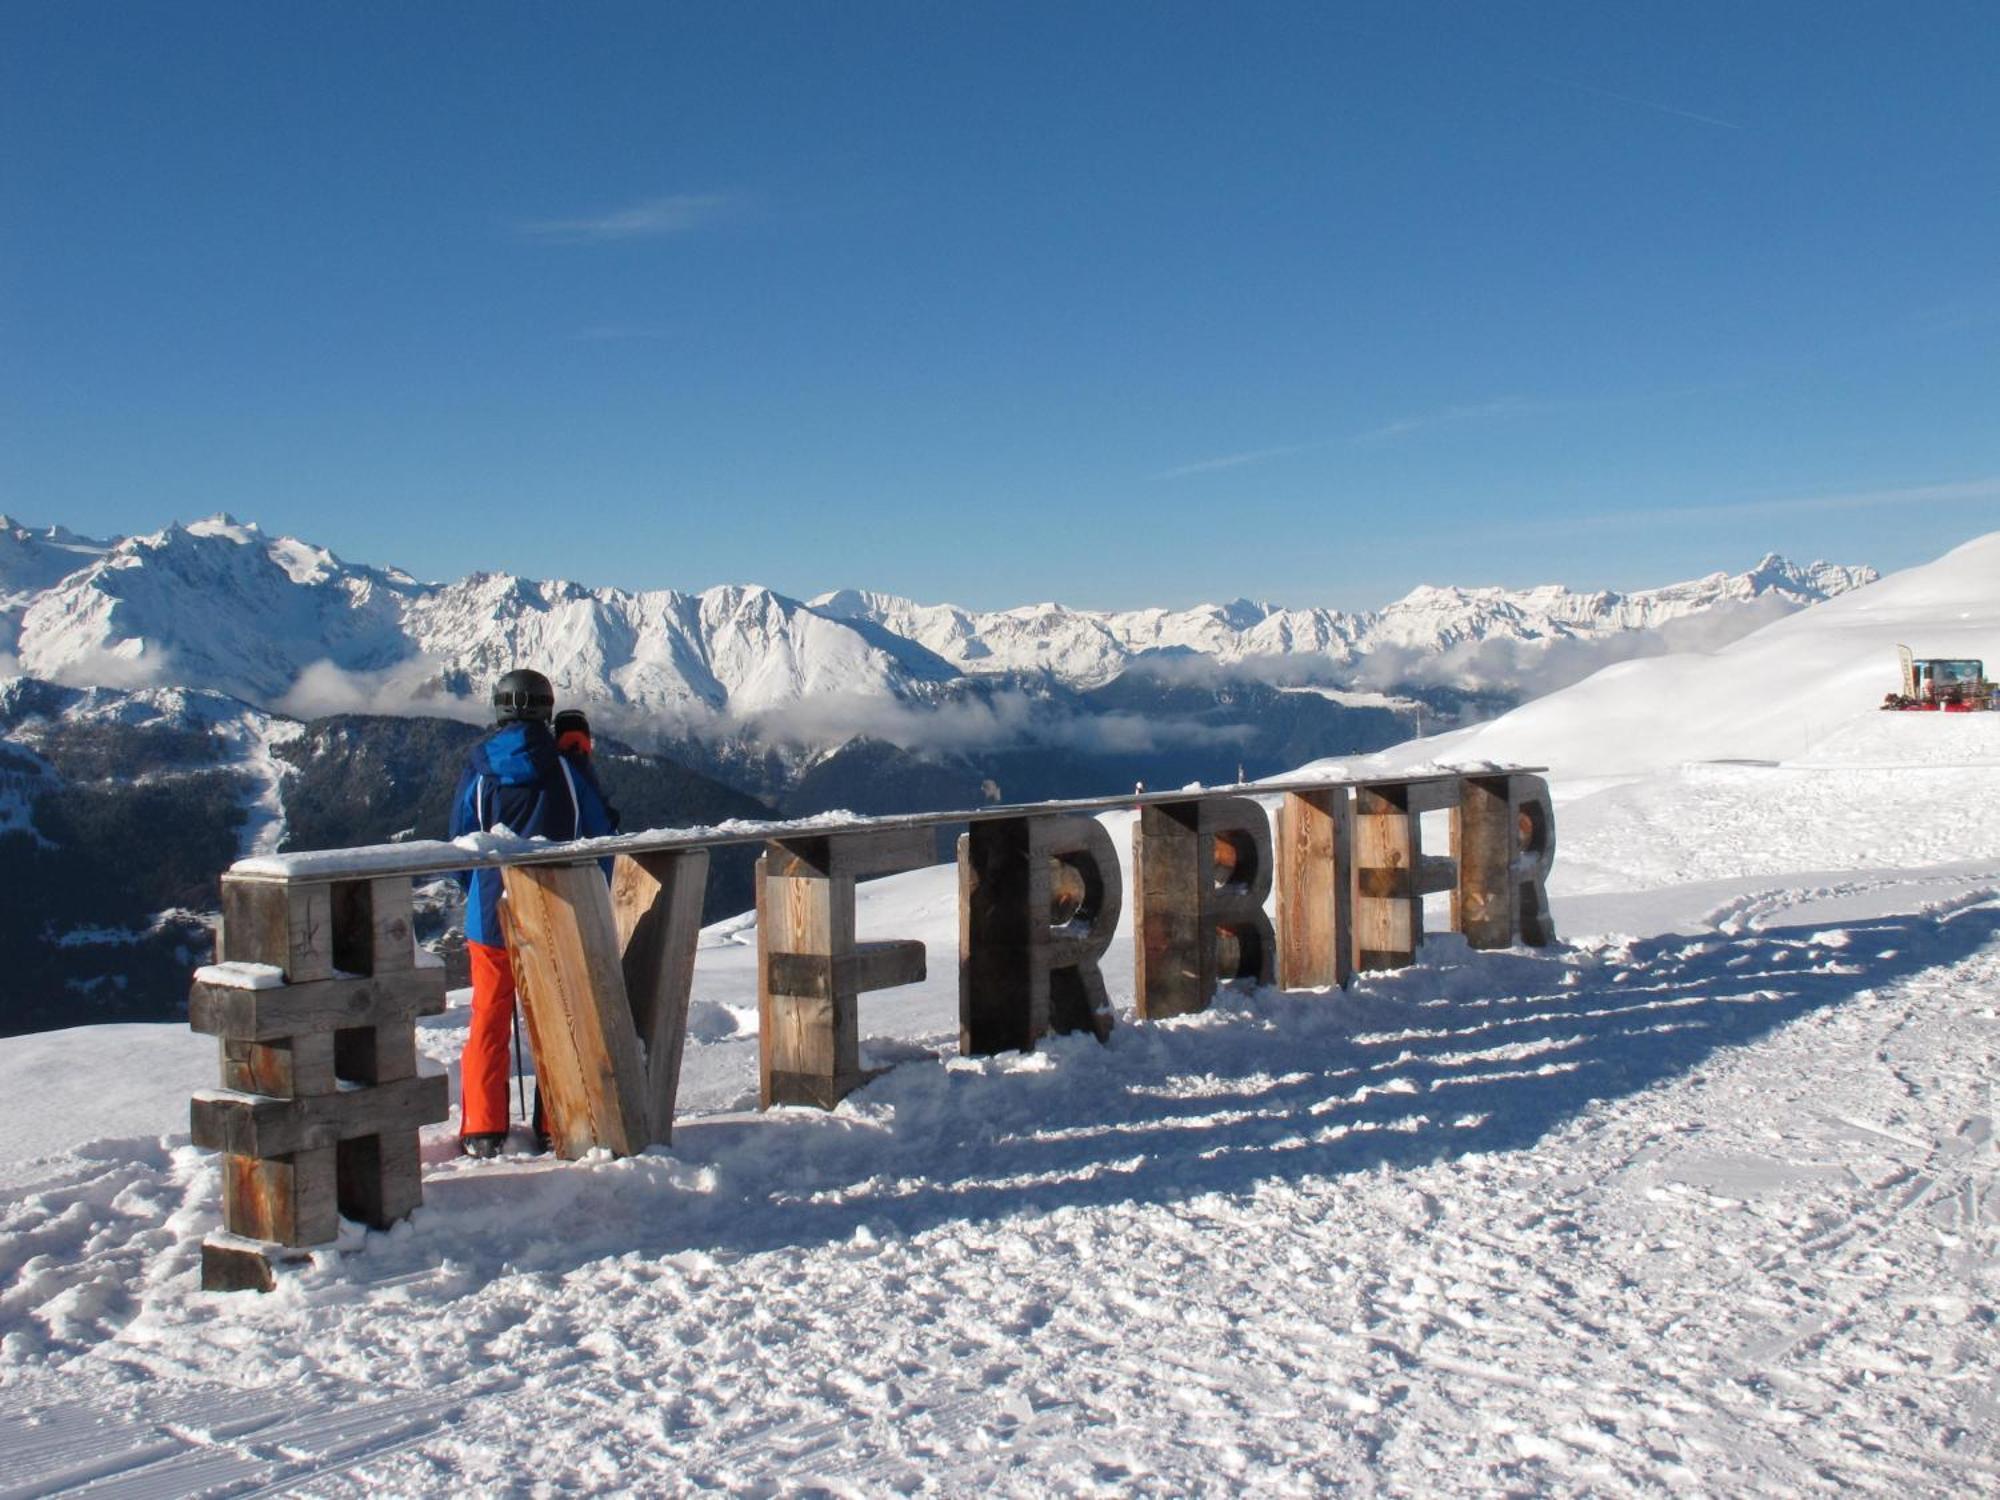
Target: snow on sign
322, 1100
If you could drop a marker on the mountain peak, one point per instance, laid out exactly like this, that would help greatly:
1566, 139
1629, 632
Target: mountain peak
223, 524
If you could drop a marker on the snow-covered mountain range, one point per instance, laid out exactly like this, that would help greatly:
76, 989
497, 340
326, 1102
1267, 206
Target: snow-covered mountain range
281, 622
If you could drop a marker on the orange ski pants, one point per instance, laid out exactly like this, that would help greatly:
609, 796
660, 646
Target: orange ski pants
483, 1066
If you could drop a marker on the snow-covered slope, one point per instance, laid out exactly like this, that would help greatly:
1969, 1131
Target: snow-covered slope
1804, 683
32, 561
1701, 1200
280, 622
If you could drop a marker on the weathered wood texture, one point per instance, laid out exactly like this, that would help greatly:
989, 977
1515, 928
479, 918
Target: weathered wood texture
291, 930
563, 940
810, 971
1315, 857
1203, 872
233, 1264
1038, 904
319, 1005
1504, 837
656, 901
1485, 905
321, 1099
1392, 874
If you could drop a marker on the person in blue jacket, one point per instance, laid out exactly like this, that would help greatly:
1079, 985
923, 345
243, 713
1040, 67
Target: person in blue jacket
515, 779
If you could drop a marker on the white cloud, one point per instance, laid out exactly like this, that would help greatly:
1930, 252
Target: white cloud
146, 666
412, 687
1236, 460
652, 218
1003, 720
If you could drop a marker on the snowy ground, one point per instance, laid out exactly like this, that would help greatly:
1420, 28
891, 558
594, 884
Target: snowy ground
1700, 1200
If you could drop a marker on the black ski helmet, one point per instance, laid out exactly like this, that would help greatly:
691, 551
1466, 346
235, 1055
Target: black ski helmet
523, 695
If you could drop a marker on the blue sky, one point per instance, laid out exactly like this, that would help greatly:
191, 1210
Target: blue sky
1115, 304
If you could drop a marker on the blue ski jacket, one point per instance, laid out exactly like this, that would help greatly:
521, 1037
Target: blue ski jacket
516, 779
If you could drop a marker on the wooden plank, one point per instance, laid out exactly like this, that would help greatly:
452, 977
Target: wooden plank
1432, 874
804, 1036
1431, 794
289, 927
656, 903
768, 899
1038, 906
563, 940
1485, 905
419, 858
805, 908
870, 966
230, 1263
290, 1200
288, 1068
857, 855
254, 1125
1172, 866
319, 1005
1313, 831
997, 1000
1387, 929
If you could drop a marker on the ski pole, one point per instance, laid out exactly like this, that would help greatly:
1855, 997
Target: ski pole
520, 1084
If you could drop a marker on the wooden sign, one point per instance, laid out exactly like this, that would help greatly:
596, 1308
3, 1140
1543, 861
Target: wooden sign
811, 971
317, 997
1038, 904
563, 940
1203, 871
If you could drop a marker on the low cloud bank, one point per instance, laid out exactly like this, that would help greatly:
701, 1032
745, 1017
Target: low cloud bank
417, 686
148, 667
1013, 718
1530, 669
1002, 720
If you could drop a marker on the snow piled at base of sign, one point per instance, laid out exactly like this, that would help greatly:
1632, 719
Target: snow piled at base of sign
1702, 1198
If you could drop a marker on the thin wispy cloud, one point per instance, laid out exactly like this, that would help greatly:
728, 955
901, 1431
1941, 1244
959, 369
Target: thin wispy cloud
1501, 406
1236, 460
651, 218
1635, 100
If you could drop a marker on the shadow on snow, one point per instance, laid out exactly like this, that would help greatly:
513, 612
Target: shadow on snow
1474, 1052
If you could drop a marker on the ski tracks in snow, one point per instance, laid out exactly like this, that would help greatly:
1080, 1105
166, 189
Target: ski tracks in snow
1626, 1217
